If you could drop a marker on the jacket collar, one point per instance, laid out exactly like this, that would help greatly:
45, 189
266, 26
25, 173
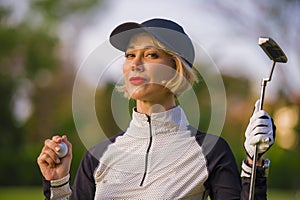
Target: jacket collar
166, 122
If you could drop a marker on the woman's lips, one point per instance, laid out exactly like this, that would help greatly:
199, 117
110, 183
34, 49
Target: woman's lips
137, 80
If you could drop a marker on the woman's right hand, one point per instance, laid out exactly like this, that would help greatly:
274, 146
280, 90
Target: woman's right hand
51, 166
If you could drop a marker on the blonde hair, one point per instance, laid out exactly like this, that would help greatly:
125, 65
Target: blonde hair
184, 77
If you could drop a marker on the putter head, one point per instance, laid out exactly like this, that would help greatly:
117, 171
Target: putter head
272, 49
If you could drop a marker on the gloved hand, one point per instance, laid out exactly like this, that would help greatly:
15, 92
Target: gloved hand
260, 131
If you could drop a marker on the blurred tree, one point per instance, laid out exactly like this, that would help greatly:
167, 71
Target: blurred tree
35, 87
24, 53
104, 112
54, 11
277, 19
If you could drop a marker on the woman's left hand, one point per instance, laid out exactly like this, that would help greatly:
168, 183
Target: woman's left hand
260, 132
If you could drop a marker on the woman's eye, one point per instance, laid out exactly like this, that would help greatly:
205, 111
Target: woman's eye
129, 55
152, 55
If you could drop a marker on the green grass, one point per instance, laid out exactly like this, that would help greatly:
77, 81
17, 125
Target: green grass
22, 193
35, 193
283, 195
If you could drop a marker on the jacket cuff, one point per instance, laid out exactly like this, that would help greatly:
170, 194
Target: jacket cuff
260, 171
60, 182
57, 189
60, 189
246, 169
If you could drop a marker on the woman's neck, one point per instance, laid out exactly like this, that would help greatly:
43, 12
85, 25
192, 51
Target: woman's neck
149, 107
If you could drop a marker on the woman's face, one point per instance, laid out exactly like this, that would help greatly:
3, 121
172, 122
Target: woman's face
147, 69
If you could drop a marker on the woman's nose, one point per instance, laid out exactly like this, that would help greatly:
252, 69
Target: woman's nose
137, 64
139, 68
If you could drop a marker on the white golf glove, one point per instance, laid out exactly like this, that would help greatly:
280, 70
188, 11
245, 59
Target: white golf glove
260, 132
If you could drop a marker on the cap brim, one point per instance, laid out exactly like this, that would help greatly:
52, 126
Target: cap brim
122, 34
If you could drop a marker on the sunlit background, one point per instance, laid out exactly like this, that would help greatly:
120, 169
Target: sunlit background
44, 42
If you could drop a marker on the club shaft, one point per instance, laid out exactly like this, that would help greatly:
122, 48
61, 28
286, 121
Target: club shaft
255, 155
253, 175
253, 171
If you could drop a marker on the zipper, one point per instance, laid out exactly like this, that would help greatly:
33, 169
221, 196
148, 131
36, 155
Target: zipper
147, 152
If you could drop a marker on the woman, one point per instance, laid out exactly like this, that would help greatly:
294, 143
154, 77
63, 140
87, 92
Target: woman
159, 156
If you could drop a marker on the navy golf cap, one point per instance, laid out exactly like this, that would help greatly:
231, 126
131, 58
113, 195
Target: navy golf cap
166, 31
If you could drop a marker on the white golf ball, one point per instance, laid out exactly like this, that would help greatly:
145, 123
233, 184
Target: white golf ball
63, 150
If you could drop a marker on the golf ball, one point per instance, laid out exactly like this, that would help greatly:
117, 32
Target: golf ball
63, 150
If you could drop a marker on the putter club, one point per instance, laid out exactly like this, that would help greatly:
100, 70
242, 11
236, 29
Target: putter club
272, 49
275, 53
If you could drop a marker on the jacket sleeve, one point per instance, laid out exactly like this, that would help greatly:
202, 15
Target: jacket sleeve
84, 186
260, 192
224, 179
57, 189
84, 183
